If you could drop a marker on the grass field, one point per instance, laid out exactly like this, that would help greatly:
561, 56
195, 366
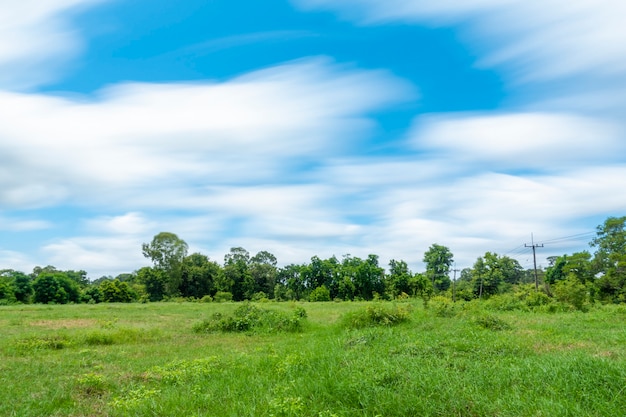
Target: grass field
147, 360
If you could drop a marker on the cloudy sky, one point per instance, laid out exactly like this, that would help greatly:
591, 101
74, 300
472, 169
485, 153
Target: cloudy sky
308, 127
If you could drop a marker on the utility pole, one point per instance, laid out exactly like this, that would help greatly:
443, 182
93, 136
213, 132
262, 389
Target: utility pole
534, 246
453, 283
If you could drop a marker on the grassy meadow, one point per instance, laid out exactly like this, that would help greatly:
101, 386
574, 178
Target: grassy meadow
342, 359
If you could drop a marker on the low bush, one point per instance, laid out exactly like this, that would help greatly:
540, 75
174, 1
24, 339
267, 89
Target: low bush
248, 317
377, 315
490, 322
441, 306
222, 296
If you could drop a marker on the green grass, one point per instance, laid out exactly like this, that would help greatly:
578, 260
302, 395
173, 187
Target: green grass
147, 360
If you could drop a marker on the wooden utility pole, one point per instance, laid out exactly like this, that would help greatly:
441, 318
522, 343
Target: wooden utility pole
534, 246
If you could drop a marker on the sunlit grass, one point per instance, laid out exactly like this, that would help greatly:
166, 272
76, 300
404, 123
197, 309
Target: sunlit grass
146, 360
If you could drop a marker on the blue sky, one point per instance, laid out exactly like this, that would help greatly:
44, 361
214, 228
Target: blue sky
308, 127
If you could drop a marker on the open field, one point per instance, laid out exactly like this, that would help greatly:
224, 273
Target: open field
146, 360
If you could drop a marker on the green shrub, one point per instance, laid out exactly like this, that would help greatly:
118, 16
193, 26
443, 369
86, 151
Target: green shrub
320, 294
490, 322
41, 343
248, 317
441, 306
98, 338
222, 296
206, 299
259, 296
573, 292
92, 384
377, 314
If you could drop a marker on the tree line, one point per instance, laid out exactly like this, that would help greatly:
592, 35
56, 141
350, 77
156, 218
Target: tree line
175, 274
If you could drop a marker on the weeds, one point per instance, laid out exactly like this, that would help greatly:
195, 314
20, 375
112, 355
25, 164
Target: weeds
377, 314
248, 317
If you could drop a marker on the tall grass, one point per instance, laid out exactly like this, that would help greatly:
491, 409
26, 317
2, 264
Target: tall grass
147, 360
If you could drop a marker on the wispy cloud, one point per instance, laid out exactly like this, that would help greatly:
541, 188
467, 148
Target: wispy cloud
532, 40
138, 135
545, 141
36, 40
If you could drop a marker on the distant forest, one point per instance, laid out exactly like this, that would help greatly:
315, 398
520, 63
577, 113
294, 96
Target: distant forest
576, 280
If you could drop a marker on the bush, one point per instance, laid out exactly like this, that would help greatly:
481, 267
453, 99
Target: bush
320, 294
259, 296
248, 317
490, 322
573, 292
206, 299
441, 306
377, 315
222, 296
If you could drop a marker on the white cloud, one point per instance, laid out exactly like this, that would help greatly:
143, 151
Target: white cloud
22, 225
139, 136
36, 39
98, 255
547, 141
536, 40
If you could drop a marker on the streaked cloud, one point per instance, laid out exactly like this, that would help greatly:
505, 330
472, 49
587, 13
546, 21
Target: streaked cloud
139, 135
548, 141
532, 40
36, 40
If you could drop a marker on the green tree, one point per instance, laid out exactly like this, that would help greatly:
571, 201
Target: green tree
438, 260
366, 275
6, 291
323, 272
291, 277
556, 271
20, 285
167, 251
154, 281
115, 291
199, 275
320, 294
610, 259
487, 275
55, 287
398, 280
235, 276
263, 271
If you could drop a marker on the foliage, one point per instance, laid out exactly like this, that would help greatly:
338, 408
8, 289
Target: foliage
198, 276
377, 314
491, 322
491, 271
573, 292
92, 295
441, 306
438, 260
167, 251
154, 281
247, 317
115, 291
320, 294
222, 296
22, 287
55, 287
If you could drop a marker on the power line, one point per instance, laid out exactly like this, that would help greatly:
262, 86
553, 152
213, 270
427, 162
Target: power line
534, 246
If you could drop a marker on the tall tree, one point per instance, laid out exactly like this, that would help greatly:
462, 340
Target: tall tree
199, 275
154, 281
610, 259
398, 280
167, 252
236, 274
438, 260
263, 271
